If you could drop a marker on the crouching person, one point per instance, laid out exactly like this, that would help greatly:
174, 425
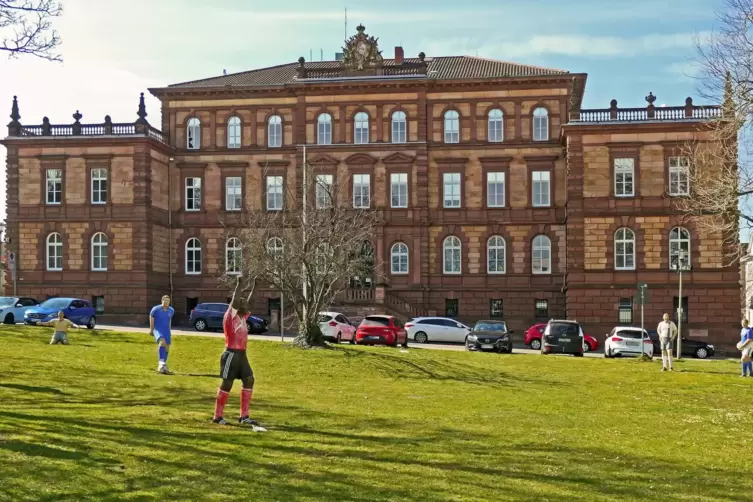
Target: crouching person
60, 329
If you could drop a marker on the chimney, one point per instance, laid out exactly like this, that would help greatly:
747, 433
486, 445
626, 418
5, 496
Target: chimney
399, 55
338, 56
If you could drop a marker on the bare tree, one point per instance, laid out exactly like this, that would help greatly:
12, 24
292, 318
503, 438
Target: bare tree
26, 28
309, 251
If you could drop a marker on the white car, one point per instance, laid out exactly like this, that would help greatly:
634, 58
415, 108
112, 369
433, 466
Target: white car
13, 308
436, 329
627, 341
336, 327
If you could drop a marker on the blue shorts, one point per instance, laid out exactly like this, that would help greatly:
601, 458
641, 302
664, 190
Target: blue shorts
158, 335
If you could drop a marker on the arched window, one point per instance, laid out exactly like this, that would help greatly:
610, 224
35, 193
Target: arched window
361, 128
233, 256
274, 131
496, 132
234, 132
679, 242
324, 129
540, 124
495, 255
323, 258
452, 250
541, 255
193, 135
399, 258
451, 127
193, 256
54, 252
274, 247
399, 130
99, 252
624, 249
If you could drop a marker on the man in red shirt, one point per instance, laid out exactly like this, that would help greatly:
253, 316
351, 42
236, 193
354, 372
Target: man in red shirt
234, 363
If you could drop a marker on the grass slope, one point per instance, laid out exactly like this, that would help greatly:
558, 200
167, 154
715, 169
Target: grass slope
93, 421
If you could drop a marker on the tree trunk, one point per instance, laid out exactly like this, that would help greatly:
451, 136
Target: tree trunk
309, 335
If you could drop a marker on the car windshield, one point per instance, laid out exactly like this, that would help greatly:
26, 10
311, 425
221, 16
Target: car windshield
490, 326
375, 321
7, 301
324, 318
563, 329
55, 303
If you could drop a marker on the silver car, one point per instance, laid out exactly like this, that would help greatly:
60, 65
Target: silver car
436, 329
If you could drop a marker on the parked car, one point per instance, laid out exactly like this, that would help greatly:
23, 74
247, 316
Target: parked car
381, 330
336, 327
13, 308
206, 316
490, 336
77, 311
690, 347
562, 337
628, 341
436, 329
533, 335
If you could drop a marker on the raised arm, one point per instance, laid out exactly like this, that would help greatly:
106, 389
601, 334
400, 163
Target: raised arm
151, 322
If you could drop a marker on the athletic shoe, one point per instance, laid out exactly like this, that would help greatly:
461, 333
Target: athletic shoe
163, 369
219, 421
247, 421
664, 369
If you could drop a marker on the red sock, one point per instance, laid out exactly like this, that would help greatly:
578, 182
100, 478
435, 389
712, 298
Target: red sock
245, 401
219, 405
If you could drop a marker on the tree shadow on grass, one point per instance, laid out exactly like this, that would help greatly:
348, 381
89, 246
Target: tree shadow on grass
32, 388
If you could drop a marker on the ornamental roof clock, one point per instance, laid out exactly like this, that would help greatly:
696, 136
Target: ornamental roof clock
361, 52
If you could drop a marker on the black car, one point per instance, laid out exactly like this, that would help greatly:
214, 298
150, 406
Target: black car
690, 347
491, 336
562, 337
208, 316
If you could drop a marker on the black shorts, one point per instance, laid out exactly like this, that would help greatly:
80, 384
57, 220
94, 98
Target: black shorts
234, 365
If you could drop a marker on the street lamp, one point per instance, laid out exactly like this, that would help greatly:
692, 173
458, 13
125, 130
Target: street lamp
680, 264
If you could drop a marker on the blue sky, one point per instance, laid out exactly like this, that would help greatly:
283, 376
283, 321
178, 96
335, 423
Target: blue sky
115, 49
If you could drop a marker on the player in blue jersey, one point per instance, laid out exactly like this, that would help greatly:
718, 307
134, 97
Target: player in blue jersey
746, 347
160, 319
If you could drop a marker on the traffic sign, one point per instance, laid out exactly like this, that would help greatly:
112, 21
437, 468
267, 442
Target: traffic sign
642, 295
12, 260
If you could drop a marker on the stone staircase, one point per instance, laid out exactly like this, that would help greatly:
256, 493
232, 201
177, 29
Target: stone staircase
356, 304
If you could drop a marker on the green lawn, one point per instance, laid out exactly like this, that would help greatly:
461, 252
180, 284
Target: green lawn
94, 421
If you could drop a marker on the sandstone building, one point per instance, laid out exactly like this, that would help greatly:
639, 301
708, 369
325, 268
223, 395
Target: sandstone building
501, 196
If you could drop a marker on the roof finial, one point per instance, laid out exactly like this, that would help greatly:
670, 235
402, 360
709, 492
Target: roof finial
650, 98
14, 115
142, 110
361, 28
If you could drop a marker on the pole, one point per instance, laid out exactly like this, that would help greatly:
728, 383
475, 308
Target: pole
643, 347
282, 316
679, 313
303, 230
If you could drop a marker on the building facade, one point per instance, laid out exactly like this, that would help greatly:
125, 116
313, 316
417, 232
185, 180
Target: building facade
500, 196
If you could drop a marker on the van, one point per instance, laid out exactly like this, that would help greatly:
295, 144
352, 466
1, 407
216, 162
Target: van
562, 337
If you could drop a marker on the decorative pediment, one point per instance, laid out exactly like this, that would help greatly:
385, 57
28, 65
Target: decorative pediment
232, 164
361, 51
398, 158
273, 163
192, 165
495, 161
323, 160
451, 160
361, 158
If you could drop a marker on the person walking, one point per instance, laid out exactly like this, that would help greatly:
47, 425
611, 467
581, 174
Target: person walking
667, 331
160, 320
746, 347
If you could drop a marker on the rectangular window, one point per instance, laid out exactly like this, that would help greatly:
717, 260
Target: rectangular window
451, 307
624, 177
541, 191
193, 194
679, 172
99, 185
324, 184
625, 315
684, 309
495, 189
399, 190
398, 131
274, 193
54, 186
273, 304
361, 191
495, 308
99, 304
324, 130
541, 309
451, 183
233, 194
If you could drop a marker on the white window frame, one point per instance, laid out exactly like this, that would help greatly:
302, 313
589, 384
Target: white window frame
541, 188
624, 167
324, 129
451, 127
193, 133
233, 193
540, 124
399, 127
322, 257
361, 191
541, 252
275, 193
193, 245
399, 259
57, 255
399, 190
497, 247
234, 261
194, 198
449, 181
495, 128
624, 237
274, 247
324, 197
452, 244
679, 168
361, 128
99, 185
100, 243
679, 240
54, 186
234, 132
274, 131
494, 180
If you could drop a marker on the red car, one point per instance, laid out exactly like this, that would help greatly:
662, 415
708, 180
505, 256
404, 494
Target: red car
533, 334
381, 330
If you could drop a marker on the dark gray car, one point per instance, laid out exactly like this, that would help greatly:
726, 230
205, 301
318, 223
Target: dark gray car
562, 337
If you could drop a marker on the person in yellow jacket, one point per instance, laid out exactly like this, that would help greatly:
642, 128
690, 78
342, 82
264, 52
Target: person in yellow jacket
60, 328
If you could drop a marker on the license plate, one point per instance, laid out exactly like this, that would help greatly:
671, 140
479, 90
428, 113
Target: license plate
487, 346
564, 339
373, 337
633, 344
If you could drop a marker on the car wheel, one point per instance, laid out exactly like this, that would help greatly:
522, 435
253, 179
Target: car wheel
421, 337
353, 340
536, 344
9, 319
608, 354
702, 352
339, 338
586, 347
92, 322
578, 354
200, 325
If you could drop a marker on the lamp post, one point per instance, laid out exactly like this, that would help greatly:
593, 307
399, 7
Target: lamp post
680, 266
